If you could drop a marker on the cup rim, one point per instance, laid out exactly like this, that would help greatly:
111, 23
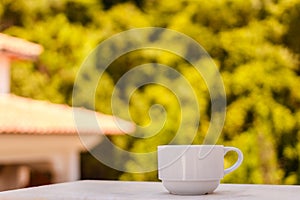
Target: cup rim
191, 145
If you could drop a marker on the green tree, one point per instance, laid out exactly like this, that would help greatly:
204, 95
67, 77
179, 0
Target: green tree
255, 45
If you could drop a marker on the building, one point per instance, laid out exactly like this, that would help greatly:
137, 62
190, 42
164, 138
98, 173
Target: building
41, 135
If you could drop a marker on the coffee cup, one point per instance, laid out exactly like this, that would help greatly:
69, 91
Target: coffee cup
193, 169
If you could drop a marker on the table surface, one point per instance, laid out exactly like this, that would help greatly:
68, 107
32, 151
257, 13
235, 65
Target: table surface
93, 190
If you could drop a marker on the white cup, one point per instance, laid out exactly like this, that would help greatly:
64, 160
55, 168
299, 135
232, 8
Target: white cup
193, 169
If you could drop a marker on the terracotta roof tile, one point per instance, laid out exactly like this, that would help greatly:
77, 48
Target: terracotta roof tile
19, 115
19, 48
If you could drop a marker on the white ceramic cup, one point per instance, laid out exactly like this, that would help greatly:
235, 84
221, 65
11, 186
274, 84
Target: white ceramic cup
193, 169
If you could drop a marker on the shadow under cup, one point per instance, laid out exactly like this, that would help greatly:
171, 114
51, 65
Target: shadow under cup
193, 169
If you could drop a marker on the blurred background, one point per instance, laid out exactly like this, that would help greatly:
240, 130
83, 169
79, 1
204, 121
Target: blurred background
254, 43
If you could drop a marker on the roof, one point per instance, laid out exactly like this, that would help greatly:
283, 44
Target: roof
19, 48
19, 115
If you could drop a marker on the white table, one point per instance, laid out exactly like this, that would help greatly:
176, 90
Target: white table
92, 190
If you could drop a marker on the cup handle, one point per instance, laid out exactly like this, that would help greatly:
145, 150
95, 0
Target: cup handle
237, 163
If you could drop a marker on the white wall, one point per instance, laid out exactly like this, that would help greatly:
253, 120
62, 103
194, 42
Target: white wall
4, 74
59, 154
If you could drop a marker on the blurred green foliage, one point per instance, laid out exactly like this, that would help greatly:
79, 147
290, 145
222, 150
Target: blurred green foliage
255, 44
